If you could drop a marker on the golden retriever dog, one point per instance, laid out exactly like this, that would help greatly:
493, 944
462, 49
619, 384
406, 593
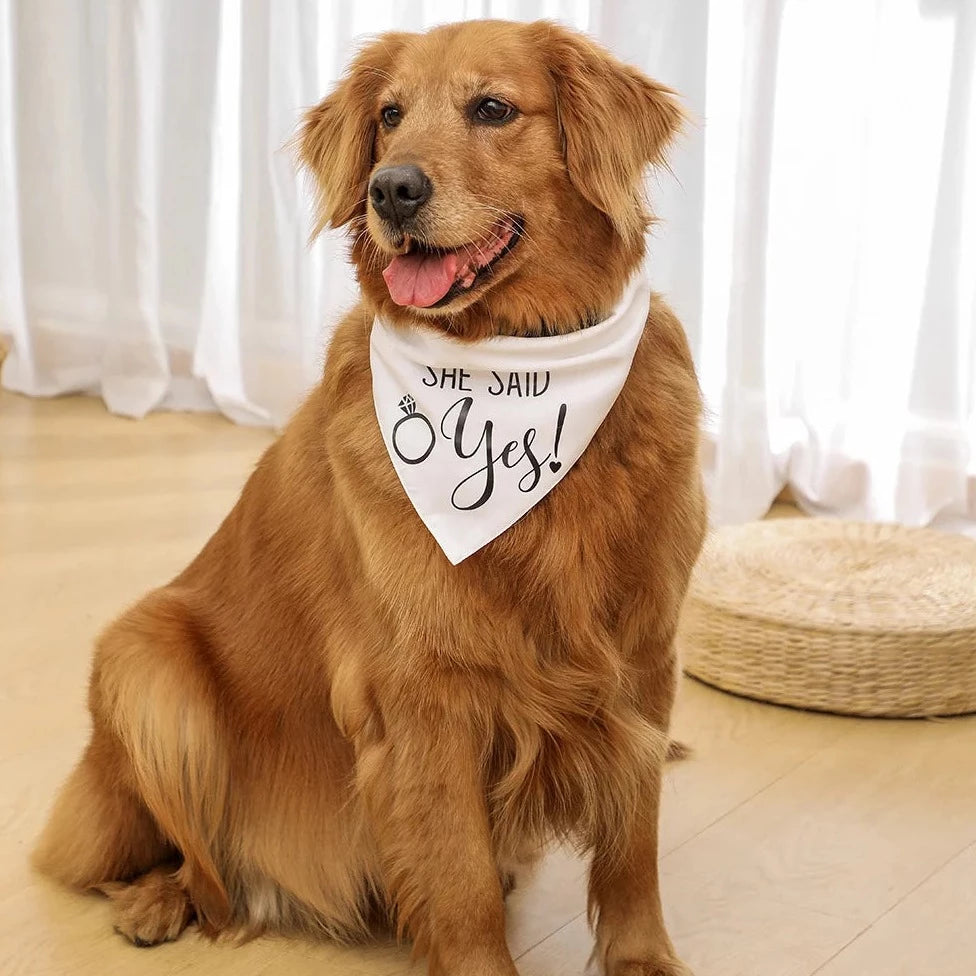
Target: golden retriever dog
321, 725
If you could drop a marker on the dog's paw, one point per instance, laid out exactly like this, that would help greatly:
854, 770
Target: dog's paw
150, 910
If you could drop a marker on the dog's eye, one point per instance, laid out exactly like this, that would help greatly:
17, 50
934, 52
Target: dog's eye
391, 116
493, 110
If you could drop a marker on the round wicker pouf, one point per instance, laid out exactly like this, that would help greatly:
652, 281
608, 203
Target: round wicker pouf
847, 617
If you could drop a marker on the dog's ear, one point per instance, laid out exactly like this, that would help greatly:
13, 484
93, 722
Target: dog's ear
614, 122
337, 137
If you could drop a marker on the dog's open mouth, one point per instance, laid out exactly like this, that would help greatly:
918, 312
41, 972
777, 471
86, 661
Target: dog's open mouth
429, 277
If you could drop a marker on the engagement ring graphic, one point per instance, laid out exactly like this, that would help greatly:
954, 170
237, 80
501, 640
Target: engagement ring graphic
413, 434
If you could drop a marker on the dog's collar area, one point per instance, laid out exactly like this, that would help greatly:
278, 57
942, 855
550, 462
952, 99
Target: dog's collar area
550, 330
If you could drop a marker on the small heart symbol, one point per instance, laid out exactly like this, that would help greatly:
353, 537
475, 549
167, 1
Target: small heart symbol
555, 465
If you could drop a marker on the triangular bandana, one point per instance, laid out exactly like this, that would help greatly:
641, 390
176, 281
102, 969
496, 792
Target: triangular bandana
479, 432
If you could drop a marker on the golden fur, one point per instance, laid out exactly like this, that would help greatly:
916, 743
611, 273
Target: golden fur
321, 724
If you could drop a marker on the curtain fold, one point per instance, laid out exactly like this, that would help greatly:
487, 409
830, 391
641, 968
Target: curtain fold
838, 336
817, 232
134, 369
20, 373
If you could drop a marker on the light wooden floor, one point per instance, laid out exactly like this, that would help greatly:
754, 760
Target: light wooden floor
793, 843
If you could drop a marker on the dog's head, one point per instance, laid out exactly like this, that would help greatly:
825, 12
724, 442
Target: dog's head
491, 174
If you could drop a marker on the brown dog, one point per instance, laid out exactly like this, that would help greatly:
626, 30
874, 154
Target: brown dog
321, 722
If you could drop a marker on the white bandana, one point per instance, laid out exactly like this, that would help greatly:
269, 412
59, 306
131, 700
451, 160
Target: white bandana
480, 432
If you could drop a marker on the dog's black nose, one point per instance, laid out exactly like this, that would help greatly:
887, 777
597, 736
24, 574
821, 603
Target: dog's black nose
398, 192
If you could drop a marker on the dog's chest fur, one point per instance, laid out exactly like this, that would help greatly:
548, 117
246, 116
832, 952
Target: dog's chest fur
541, 638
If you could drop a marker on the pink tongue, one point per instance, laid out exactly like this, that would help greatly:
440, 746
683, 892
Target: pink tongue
421, 279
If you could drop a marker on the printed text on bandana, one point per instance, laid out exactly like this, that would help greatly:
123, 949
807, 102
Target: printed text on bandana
468, 428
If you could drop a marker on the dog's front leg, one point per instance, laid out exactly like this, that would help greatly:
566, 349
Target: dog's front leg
425, 794
624, 895
631, 936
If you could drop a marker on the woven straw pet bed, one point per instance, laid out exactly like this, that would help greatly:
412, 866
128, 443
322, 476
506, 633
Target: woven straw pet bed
845, 617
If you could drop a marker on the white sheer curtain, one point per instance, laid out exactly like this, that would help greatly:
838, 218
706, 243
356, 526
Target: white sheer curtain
818, 234
153, 230
838, 348
152, 247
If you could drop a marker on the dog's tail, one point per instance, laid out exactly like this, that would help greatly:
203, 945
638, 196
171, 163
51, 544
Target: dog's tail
678, 751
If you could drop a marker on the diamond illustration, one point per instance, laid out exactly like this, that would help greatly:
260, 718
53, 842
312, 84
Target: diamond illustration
408, 404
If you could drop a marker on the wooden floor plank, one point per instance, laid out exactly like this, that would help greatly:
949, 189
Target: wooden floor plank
932, 931
854, 828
